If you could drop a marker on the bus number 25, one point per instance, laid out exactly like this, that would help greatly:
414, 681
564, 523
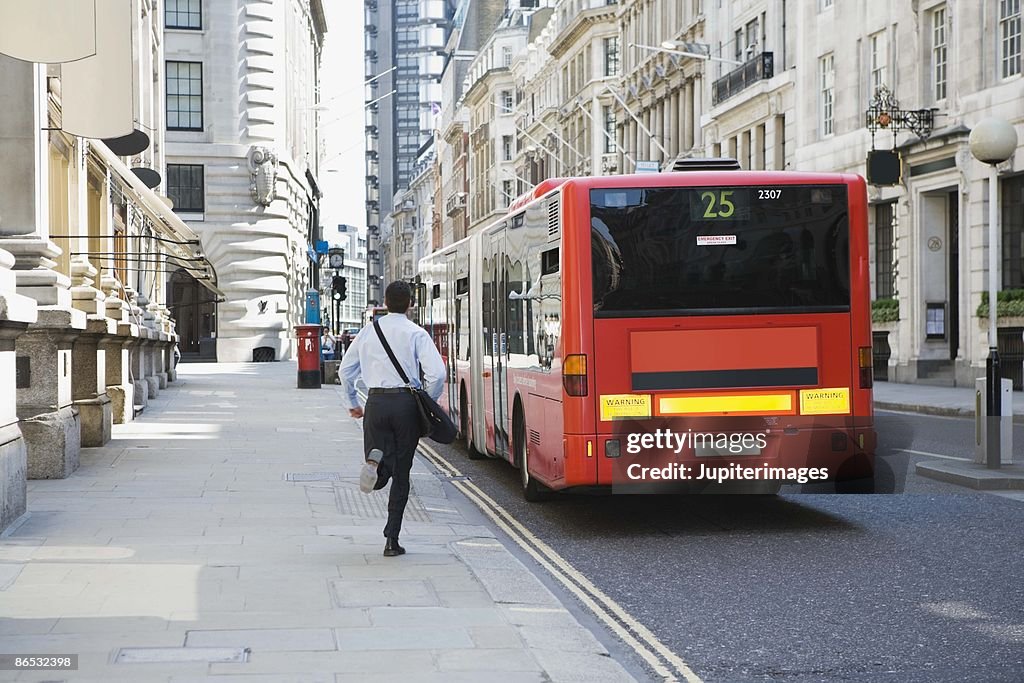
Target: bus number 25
725, 207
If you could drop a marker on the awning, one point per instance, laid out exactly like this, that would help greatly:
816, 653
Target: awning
164, 220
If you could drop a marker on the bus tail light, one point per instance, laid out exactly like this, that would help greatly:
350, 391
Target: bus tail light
866, 370
574, 374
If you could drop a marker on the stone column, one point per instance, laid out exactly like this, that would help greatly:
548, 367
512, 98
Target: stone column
49, 422
49, 419
16, 312
89, 381
677, 146
140, 389
119, 387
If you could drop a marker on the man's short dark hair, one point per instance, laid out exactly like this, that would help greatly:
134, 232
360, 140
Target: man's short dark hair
397, 296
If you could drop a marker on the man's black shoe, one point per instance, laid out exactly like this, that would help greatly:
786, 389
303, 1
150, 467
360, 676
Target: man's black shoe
391, 548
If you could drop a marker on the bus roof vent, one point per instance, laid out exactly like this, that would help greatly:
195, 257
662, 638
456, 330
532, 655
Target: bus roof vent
712, 164
553, 218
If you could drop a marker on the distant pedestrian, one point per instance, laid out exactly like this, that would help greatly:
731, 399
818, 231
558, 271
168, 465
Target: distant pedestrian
391, 428
327, 346
177, 354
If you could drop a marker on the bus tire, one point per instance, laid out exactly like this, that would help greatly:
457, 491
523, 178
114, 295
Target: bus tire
533, 490
464, 427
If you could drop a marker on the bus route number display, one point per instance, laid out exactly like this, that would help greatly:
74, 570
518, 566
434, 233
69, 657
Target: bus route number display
727, 204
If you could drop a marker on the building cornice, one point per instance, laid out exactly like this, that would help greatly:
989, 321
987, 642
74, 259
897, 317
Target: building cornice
578, 27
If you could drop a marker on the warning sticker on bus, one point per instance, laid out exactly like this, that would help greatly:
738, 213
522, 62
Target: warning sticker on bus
711, 240
834, 401
625, 406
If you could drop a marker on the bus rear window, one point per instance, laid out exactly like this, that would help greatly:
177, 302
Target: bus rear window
720, 250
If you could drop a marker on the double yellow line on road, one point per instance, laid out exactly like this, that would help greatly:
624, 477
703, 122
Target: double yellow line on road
656, 654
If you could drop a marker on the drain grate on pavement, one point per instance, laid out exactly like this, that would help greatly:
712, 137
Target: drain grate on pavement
375, 505
312, 476
171, 655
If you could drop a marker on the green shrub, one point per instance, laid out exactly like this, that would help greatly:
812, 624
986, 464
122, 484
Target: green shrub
1010, 304
885, 310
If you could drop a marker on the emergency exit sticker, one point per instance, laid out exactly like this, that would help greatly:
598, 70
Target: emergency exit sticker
625, 406
714, 240
835, 401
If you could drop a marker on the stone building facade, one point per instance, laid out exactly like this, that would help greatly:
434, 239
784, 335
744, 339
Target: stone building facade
784, 86
85, 244
242, 162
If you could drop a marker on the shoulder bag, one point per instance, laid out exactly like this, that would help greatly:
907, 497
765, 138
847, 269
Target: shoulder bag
434, 421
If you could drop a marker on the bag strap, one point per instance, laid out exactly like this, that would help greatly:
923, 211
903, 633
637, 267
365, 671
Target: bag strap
391, 354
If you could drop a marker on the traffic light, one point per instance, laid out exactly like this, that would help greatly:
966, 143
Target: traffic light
338, 287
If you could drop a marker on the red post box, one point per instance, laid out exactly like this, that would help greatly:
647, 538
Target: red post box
308, 338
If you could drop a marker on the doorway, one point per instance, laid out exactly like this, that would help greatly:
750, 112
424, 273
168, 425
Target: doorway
195, 312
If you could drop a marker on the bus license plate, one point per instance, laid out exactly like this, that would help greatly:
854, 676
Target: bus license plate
702, 450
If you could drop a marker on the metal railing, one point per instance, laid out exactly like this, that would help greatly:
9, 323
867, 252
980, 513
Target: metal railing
759, 68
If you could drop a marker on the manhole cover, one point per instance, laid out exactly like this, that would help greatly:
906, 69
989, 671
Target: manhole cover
312, 476
359, 504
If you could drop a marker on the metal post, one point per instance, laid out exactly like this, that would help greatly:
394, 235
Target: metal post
992, 373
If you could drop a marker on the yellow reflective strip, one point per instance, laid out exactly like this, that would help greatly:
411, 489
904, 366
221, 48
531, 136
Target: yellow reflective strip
725, 404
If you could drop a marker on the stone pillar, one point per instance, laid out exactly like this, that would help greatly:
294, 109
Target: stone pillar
89, 381
49, 419
676, 147
16, 312
140, 388
119, 387
172, 371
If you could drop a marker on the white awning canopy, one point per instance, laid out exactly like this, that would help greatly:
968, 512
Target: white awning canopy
183, 241
98, 92
48, 31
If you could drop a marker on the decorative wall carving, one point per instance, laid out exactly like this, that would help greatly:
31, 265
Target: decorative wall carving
262, 174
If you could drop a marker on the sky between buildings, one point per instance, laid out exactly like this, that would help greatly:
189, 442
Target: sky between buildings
341, 77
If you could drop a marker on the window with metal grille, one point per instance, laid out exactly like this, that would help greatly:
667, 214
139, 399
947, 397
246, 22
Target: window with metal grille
1009, 35
885, 233
1012, 191
609, 130
186, 187
183, 14
611, 56
184, 96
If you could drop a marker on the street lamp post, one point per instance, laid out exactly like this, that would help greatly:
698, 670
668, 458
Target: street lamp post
993, 141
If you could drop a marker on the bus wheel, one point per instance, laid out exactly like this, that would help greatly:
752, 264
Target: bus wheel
471, 452
533, 491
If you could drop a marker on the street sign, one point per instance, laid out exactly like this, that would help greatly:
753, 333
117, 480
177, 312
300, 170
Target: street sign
647, 167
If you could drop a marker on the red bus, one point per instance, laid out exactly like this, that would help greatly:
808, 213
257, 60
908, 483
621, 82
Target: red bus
604, 317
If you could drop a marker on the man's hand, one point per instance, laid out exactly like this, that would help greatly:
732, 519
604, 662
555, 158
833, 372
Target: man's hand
355, 412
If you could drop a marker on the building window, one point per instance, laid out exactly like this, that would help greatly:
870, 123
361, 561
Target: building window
506, 56
506, 148
507, 193
611, 56
827, 79
939, 54
506, 102
186, 188
1009, 34
885, 241
878, 61
610, 146
1012, 190
183, 14
184, 96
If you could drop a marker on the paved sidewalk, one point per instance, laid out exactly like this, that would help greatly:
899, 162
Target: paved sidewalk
923, 398
222, 536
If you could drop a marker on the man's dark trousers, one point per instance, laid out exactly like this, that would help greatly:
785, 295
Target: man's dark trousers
391, 423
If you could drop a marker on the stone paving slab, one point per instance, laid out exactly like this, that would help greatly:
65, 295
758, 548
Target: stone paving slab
185, 535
